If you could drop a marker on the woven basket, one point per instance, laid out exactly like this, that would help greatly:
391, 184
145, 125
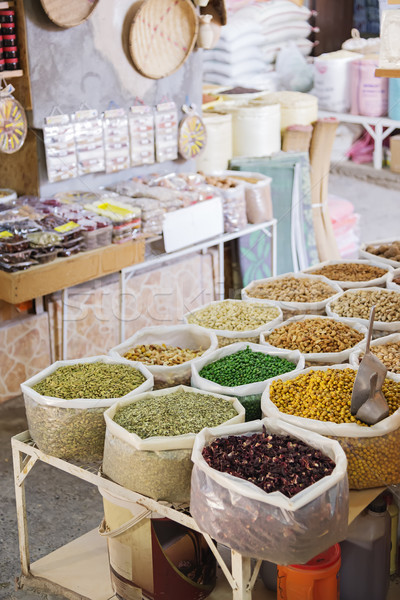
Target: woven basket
68, 14
162, 36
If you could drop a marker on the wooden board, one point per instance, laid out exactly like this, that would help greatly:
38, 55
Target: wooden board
19, 171
67, 272
387, 73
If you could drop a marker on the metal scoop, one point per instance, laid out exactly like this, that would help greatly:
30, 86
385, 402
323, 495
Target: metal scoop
368, 403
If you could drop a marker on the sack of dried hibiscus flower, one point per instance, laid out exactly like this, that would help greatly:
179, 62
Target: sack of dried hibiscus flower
270, 490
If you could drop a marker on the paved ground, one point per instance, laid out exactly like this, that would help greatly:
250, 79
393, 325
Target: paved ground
61, 507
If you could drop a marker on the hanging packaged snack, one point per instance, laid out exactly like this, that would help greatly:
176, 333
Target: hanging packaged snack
166, 131
141, 131
13, 124
116, 140
59, 142
192, 134
88, 128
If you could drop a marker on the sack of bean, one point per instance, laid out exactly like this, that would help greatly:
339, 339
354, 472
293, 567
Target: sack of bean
241, 370
349, 273
294, 293
65, 403
320, 340
383, 251
236, 321
319, 400
387, 349
355, 305
393, 280
149, 440
270, 490
168, 352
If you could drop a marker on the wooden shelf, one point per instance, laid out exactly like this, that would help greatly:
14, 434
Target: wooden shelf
387, 72
11, 74
66, 272
5, 5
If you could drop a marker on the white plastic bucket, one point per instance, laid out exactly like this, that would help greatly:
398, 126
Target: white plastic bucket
256, 130
218, 150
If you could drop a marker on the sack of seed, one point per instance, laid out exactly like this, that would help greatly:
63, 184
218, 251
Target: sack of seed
270, 490
168, 352
234, 320
65, 403
149, 439
241, 370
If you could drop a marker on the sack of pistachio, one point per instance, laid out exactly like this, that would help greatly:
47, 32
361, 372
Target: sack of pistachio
168, 352
321, 340
294, 293
149, 439
65, 403
241, 370
319, 399
234, 320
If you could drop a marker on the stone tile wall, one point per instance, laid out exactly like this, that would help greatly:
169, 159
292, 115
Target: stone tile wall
158, 297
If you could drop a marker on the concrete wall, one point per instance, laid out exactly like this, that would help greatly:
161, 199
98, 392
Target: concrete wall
90, 65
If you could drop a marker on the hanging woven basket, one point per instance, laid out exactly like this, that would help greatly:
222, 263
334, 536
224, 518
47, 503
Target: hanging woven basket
68, 13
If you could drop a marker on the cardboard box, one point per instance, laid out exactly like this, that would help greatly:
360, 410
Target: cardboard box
66, 272
193, 224
395, 153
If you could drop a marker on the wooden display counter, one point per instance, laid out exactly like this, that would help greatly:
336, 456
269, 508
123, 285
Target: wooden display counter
66, 272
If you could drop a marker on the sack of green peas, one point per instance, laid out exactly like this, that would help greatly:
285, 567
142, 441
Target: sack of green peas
319, 398
241, 370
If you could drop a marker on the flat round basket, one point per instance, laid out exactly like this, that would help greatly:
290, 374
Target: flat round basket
68, 14
162, 35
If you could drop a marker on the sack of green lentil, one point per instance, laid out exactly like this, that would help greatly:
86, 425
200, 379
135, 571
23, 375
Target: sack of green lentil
356, 304
294, 293
168, 352
384, 251
387, 349
234, 320
320, 340
287, 512
318, 399
393, 280
149, 439
350, 273
65, 403
241, 370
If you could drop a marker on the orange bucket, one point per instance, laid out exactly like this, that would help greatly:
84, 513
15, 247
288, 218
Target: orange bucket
316, 580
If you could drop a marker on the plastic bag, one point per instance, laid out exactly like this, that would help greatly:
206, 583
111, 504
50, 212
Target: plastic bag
249, 394
294, 308
347, 285
226, 336
324, 358
391, 327
72, 429
373, 453
293, 71
257, 194
183, 336
270, 526
159, 467
355, 356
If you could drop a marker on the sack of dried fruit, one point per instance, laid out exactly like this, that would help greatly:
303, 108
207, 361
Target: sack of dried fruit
384, 251
149, 439
350, 273
321, 340
270, 490
356, 305
65, 403
294, 293
387, 349
241, 370
235, 320
168, 352
319, 398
